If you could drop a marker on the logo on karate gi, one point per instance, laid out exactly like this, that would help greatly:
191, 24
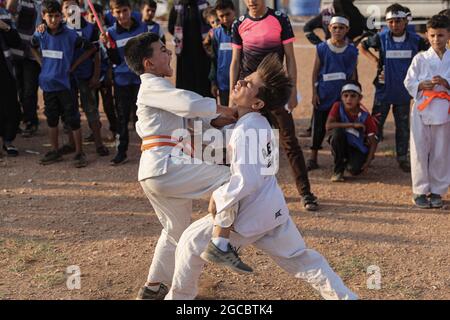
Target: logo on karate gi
278, 214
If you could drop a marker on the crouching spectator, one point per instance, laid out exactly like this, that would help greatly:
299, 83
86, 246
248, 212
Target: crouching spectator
353, 137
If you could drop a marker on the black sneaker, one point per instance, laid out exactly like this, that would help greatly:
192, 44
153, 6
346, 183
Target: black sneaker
30, 130
229, 258
66, 149
80, 161
51, 157
11, 151
436, 201
102, 151
421, 201
405, 166
310, 202
146, 294
120, 158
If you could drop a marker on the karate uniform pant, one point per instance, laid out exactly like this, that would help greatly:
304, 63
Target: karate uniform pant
171, 196
284, 244
430, 157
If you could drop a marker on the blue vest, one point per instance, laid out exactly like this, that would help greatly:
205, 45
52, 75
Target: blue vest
352, 139
86, 69
396, 58
123, 76
224, 54
335, 69
58, 51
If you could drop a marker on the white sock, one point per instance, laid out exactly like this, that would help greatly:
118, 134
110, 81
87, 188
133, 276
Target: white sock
154, 288
221, 243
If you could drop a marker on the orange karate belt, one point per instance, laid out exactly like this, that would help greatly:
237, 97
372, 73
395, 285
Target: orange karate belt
151, 142
431, 95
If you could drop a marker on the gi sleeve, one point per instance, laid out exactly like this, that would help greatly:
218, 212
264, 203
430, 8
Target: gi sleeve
412, 77
246, 178
184, 103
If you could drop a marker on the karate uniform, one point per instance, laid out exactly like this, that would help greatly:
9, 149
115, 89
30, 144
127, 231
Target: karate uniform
170, 184
263, 220
430, 128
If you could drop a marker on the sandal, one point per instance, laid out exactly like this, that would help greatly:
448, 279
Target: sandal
309, 201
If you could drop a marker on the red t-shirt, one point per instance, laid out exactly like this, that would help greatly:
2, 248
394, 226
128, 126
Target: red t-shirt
370, 123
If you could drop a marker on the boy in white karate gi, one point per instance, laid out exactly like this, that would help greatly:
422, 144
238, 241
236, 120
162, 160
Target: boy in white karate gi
168, 178
428, 81
263, 217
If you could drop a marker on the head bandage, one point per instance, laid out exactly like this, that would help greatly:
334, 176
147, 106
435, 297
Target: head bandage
351, 87
340, 20
394, 15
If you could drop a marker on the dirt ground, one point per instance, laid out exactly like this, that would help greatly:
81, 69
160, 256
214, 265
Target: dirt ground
98, 218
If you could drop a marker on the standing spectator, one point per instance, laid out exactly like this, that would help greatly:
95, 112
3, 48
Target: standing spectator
358, 26
126, 82
57, 44
256, 34
148, 10
188, 27
87, 75
106, 81
334, 64
26, 67
396, 49
9, 106
428, 81
222, 52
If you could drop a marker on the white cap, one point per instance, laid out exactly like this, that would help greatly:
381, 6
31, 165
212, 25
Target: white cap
351, 87
394, 15
340, 20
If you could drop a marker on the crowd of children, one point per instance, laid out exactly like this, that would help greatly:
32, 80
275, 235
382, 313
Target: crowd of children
91, 62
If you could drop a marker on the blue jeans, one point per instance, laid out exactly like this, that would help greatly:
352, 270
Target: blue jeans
401, 118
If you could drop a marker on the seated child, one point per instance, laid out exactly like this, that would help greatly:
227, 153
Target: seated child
353, 138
